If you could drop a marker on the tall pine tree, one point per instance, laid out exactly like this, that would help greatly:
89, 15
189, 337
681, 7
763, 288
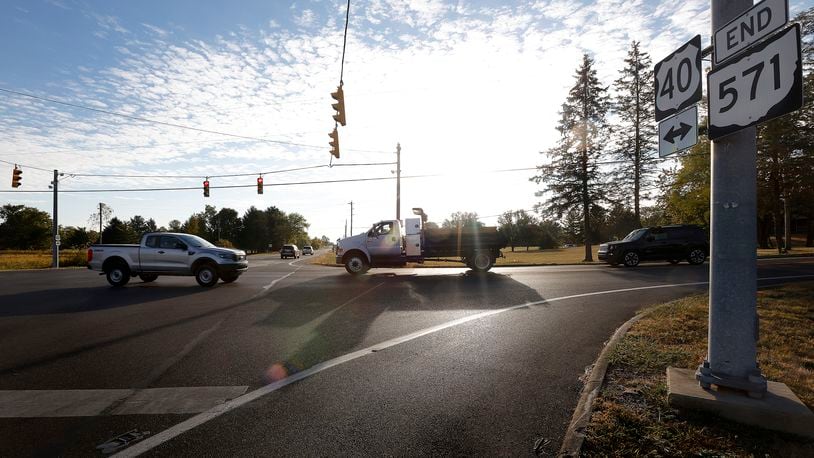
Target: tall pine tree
572, 177
635, 134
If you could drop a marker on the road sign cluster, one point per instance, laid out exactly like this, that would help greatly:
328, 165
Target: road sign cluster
757, 76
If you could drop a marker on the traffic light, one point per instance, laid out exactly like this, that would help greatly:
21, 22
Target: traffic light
260, 185
206, 188
339, 106
335, 143
16, 177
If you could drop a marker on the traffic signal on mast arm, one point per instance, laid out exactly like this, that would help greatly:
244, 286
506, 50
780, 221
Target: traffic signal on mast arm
260, 185
339, 106
206, 187
16, 177
335, 143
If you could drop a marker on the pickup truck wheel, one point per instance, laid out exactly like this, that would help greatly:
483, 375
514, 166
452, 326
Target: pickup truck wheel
480, 261
147, 278
206, 275
118, 275
356, 265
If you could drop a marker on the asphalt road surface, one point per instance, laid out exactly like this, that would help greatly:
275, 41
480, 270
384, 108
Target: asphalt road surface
297, 359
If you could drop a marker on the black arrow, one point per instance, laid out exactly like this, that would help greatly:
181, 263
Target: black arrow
682, 131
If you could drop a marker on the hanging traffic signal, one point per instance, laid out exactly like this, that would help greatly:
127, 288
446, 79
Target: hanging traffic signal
335, 143
16, 177
206, 188
339, 106
260, 185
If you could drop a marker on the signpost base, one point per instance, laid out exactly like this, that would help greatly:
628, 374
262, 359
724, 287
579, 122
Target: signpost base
754, 385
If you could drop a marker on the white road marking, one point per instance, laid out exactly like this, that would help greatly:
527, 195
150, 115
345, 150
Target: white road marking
88, 403
197, 420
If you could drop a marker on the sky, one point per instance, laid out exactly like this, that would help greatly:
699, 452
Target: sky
469, 89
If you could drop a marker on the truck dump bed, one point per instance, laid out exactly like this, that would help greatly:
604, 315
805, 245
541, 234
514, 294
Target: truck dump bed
461, 241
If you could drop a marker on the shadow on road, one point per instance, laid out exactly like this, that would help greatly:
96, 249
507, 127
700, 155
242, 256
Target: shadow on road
332, 315
84, 299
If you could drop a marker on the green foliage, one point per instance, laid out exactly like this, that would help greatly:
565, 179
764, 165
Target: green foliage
24, 228
465, 219
686, 199
118, 232
76, 237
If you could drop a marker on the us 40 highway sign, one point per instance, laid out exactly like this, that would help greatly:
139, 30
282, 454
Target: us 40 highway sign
678, 79
765, 83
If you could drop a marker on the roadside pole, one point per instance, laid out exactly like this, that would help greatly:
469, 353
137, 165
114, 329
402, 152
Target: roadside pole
733, 322
398, 181
55, 232
351, 217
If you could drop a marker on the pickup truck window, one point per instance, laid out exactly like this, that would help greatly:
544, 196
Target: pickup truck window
168, 241
382, 229
152, 241
197, 242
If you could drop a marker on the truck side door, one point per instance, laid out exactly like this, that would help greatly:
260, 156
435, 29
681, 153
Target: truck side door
383, 242
148, 254
173, 253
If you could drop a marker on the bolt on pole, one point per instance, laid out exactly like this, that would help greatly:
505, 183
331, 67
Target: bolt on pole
733, 322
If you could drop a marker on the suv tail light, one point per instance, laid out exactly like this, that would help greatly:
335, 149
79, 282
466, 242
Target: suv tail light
90, 255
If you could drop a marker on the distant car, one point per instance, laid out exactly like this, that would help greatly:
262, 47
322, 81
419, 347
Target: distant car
663, 243
307, 249
289, 251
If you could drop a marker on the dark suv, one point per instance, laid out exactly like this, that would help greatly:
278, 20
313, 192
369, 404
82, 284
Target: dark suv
663, 243
289, 251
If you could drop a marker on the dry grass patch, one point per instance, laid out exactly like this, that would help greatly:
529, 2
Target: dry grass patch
631, 415
40, 259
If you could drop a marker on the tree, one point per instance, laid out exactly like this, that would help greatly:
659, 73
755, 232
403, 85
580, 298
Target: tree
139, 225
254, 234
99, 218
297, 228
24, 228
76, 237
118, 232
175, 226
686, 196
635, 134
573, 178
196, 225
464, 219
227, 224
507, 227
550, 234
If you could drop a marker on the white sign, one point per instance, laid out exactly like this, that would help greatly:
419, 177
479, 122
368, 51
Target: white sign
765, 83
678, 79
56, 237
756, 23
57, 243
679, 132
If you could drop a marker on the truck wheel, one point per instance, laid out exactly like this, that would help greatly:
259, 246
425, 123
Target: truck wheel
631, 259
147, 278
228, 278
480, 261
356, 265
206, 275
118, 275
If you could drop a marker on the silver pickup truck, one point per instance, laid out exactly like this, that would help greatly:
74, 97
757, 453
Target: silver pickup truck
167, 253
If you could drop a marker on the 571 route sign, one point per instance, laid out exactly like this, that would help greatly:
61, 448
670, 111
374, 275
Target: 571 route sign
765, 83
678, 79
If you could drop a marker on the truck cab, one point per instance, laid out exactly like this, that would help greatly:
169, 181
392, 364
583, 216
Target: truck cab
381, 245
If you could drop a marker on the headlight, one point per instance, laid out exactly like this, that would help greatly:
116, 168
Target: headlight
610, 248
229, 256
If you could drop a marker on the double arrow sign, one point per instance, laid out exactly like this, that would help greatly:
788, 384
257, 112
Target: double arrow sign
679, 132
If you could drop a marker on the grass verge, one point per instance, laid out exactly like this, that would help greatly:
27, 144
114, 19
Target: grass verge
631, 415
40, 259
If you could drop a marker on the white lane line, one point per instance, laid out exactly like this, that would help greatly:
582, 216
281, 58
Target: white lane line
89, 403
197, 420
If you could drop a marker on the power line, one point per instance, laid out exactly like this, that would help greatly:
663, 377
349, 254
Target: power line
344, 44
167, 124
230, 175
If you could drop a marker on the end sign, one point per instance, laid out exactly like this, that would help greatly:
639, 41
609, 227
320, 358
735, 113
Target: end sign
762, 84
756, 23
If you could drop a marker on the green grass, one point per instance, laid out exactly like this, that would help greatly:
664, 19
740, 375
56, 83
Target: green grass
631, 415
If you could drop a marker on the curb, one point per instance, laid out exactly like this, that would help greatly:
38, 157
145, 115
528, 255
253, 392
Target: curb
575, 434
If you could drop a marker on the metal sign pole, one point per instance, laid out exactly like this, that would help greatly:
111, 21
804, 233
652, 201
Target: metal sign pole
733, 323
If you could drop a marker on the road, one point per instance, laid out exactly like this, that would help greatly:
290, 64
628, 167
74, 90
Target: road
313, 361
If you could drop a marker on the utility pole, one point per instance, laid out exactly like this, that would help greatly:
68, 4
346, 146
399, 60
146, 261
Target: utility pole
733, 322
100, 221
55, 217
787, 221
398, 181
351, 217
346, 228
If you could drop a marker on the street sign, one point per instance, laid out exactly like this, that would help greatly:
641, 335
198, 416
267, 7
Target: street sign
678, 79
756, 23
765, 83
679, 132
56, 237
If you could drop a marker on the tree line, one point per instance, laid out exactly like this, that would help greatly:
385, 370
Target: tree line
605, 162
27, 228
